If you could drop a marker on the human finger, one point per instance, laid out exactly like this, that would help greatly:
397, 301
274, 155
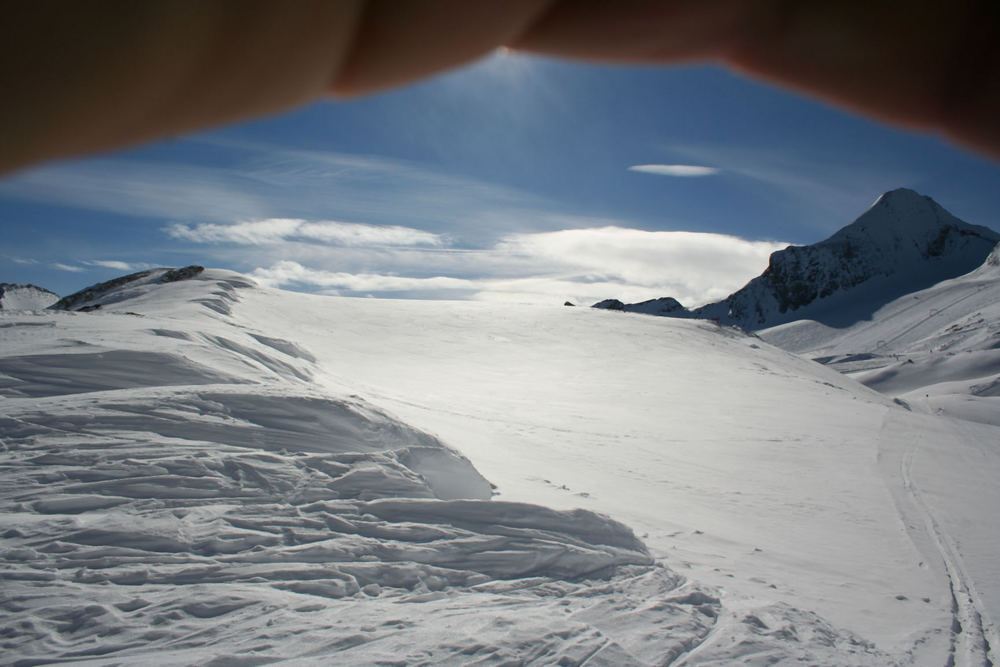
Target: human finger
84, 76
928, 64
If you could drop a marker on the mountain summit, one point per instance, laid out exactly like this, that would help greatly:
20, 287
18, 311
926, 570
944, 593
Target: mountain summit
904, 243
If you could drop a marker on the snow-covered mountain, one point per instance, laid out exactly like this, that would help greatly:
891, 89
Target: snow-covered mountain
904, 243
202, 471
906, 299
938, 349
124, 288
15, 296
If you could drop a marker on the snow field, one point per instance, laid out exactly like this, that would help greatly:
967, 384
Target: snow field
280, 477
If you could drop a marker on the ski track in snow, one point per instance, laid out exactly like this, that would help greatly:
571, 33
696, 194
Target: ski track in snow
939, 312
974, 640
208, 503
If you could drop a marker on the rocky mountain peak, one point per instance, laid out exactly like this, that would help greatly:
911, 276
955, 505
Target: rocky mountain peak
903, 243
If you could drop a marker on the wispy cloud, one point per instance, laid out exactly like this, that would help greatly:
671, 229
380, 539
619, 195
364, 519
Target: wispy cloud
68, 267
683, 170
288, 272
274, 230
262, 182
113, 264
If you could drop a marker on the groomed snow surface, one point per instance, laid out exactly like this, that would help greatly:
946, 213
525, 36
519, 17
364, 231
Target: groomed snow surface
207, 472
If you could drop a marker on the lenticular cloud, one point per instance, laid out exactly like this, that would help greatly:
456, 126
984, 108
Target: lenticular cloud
674, 169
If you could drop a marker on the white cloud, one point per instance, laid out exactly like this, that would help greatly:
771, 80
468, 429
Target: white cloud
541, 289
276, 230
68, 267
693, 267
287, 272
580, 265
674, 169
264, 182
111, 264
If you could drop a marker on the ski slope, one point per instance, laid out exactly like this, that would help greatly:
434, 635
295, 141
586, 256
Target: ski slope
207, 472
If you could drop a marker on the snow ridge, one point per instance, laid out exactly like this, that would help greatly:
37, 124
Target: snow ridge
120, 289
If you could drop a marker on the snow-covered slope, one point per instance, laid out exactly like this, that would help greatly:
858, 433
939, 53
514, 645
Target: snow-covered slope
205, 472
937, 349
25, 297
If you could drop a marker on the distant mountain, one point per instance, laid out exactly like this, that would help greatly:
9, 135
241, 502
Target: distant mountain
666, 306
25, 297
904, 243
110, 291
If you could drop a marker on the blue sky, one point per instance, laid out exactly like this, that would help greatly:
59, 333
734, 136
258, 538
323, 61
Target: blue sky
516, 179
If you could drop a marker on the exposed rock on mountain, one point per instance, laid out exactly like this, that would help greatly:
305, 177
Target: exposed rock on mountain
666, 306
905, 242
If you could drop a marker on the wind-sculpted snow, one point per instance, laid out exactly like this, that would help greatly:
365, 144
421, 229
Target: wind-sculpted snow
171, 524
55, 374
187, 497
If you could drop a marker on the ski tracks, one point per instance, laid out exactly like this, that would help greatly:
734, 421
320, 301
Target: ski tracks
973, 639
